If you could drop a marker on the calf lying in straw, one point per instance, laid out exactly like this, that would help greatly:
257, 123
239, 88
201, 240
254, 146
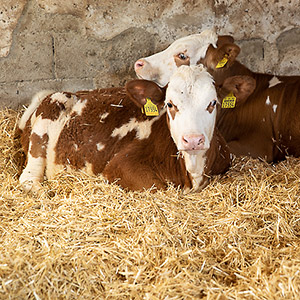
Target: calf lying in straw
105, 131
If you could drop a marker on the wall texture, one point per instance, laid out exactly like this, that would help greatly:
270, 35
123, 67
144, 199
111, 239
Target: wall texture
84, 44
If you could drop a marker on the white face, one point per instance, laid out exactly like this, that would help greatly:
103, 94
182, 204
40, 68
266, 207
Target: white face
185, 51
191, 106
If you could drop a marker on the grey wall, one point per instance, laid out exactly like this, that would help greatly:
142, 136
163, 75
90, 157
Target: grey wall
84, 44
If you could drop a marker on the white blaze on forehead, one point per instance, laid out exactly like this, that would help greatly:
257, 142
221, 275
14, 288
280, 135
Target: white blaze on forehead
268, 102
274, 108
191, 90
160, 66
274, 81
143, 129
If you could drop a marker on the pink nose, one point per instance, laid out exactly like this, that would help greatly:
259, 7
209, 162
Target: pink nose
139, 64
193, 142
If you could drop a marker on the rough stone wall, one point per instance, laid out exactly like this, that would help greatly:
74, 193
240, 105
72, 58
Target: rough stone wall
84, 44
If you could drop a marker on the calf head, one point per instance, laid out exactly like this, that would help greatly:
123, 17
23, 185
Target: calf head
184, 51
206, 48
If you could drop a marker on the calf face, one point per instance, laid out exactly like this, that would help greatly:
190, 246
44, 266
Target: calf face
189, 50
191, 99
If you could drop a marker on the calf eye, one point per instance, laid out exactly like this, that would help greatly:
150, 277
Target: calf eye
169, 104
211, 106
182, 56
213, 103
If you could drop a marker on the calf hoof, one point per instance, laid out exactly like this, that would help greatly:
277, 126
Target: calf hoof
30, 186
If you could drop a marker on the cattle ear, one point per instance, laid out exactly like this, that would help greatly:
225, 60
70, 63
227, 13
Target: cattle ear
224, 39
229, 51
221, 57
241, 86
139, 89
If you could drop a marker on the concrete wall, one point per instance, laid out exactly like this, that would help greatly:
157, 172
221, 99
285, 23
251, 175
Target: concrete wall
84, 44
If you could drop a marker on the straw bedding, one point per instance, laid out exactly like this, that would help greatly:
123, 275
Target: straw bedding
81, 238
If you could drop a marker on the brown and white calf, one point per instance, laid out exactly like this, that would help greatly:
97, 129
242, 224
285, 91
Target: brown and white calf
265, 124
104, 131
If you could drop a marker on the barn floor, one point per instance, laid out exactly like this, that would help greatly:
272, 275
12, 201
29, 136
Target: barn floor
81, 238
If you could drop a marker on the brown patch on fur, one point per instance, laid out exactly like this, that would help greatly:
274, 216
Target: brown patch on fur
50, 109
38, 145
153, 161
210, 108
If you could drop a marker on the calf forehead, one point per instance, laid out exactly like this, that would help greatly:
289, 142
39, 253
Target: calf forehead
191, 86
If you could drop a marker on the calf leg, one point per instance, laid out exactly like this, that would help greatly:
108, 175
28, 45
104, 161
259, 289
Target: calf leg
33, 173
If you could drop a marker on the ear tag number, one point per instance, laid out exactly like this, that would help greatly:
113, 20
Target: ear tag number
150, 109
229, 101
222, 62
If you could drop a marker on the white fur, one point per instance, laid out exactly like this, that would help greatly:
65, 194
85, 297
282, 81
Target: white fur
160, 66
100, 146
79, 107
143, 129
268, 102
274, 81
54, 130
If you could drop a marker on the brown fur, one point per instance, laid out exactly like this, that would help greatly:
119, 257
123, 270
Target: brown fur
40, 145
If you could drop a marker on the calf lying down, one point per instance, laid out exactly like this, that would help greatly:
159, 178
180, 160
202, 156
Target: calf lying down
104, 131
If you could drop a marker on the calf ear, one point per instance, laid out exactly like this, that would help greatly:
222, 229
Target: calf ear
139, 89
224, 39
241, 86
228, 50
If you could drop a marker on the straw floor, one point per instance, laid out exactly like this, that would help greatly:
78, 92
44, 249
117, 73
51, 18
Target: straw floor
81, 238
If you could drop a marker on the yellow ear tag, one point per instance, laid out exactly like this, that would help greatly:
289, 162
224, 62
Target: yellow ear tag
150, 109
222, 62
229, 101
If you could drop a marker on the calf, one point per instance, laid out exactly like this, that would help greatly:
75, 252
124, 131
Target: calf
104, 131
264, 122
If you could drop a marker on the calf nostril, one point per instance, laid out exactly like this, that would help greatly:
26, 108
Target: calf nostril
200, 141
139, 64
185, 140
